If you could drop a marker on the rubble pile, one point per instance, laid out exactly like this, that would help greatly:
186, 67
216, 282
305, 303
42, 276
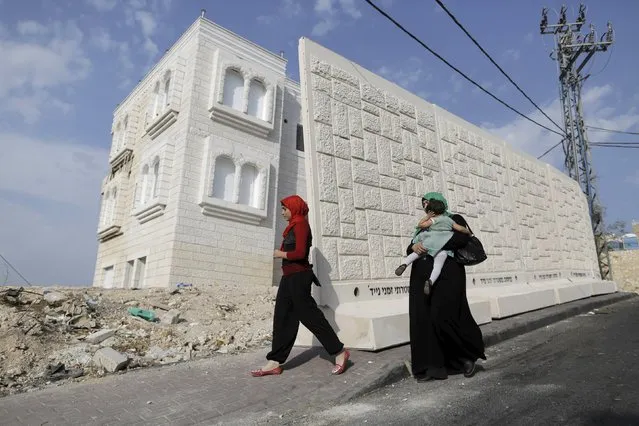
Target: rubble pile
51, 335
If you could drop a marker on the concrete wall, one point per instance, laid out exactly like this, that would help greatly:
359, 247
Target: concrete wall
372, 150
625, 269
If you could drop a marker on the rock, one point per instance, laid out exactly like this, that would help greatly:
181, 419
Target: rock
110, 359
54, 298
99, 336
171, 317
109, 342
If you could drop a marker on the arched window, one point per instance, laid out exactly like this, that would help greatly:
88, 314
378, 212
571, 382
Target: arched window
156, 177
124, 130
156, 100
116, 138
233, 89
144, 190
249, 192
106, 207
224, 178
113, 205
257, 100
167, 87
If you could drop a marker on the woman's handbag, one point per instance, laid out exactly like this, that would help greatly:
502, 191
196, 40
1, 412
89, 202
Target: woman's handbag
472, 253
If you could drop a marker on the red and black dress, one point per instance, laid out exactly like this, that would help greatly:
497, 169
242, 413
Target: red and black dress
294, 303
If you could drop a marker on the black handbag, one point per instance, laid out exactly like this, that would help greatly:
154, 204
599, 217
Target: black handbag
472, 253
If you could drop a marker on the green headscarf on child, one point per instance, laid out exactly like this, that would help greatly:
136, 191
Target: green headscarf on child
433, 196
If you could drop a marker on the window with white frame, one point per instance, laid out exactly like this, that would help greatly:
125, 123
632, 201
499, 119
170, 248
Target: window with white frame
156, 100
125, 127
113, 205
148, 187
116, 138
223, 178
144, 185
109, 204
257, 99
166, 90
233, 89
155, 179
249, 184
105, 209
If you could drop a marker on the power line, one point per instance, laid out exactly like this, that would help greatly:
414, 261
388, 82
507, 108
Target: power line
601, 129
614, 143
495, 63
598, 145
550, 149
12, 267
438, 56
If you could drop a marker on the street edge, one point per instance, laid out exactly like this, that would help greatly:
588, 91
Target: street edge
396, 371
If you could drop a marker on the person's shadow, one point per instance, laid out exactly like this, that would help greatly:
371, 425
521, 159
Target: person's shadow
308, 355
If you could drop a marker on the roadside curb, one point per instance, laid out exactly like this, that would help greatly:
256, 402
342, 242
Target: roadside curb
494, 333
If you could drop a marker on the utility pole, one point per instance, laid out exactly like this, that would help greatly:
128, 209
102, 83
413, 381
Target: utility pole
572, 53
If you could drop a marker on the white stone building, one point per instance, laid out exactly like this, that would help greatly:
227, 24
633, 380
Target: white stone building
203, 148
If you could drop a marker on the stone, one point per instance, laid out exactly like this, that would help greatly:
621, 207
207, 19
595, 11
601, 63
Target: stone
54, 298
110, 360
171, 317
99, 336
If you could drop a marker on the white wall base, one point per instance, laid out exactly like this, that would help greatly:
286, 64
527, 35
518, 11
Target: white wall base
379, 324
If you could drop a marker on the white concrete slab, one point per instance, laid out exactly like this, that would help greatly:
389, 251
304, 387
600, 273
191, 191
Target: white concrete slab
506, 301
603, 287
565, 290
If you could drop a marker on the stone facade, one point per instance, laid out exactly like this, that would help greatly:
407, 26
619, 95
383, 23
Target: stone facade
625, 269
195, 165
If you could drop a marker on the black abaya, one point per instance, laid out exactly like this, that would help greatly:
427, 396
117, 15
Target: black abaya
443, 332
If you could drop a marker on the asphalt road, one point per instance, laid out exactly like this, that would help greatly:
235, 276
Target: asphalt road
581, 371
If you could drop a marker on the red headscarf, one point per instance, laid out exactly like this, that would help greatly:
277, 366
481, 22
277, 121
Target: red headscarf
298, 208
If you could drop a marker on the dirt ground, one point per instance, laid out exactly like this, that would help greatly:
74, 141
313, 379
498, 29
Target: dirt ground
47, 334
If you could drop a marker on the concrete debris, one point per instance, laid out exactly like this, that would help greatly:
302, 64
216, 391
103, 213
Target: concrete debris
53, 298
110, 360
99, 336
171, 317
52, 335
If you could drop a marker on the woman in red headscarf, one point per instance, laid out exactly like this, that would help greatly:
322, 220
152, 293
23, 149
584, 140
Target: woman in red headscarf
294, 303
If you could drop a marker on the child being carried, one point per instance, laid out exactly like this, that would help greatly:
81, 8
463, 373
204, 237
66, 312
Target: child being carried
436, 230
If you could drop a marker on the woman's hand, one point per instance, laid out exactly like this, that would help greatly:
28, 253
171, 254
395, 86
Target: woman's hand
418, 248
279, 254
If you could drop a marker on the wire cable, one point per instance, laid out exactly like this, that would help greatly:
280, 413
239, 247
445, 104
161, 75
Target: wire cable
550, 149
12, 267
470, 80
495, 63
601, 129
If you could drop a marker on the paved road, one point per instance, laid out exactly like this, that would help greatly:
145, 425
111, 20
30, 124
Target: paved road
581, 371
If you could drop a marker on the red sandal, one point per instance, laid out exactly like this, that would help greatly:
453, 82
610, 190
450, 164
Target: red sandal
260, 373
340, 368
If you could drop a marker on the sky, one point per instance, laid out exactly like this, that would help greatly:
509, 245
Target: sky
66, 65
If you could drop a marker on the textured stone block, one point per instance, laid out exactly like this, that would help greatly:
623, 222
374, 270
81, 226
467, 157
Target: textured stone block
340, 120
344, 173
327, 178
110, 360
365, 173
346, 94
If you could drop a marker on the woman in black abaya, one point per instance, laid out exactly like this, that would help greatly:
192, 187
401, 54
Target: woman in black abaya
444, 336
